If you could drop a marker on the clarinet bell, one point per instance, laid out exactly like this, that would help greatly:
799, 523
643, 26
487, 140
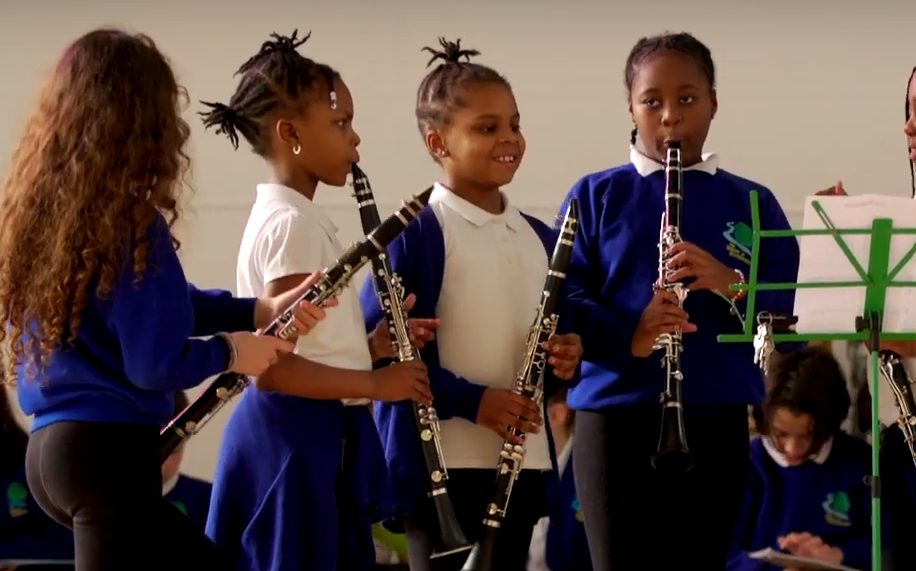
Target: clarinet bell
673, 454
481, 556
451, 536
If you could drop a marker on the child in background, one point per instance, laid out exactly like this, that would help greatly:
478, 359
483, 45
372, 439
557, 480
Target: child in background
26, 532
806, 492
190, 495
671, 87
559, 542
100, 326
477, 263
300, 477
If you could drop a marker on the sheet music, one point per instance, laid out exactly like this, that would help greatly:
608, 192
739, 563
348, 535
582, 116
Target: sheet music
834, 310
781, 559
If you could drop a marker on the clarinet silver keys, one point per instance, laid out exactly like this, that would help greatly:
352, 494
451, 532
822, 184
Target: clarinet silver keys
390, 292
528, 383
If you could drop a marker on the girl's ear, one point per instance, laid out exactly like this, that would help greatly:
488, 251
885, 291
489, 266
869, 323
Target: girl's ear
286, 133
435, 144
715, 103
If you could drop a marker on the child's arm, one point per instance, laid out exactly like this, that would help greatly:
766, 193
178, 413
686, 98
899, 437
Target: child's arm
297, 376
153, 319
453, 396
738, 558
610, 336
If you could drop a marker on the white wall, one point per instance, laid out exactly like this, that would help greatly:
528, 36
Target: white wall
809, 91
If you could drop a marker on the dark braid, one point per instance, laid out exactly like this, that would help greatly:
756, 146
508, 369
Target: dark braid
276, 78
440, 92
907, 112
682, 43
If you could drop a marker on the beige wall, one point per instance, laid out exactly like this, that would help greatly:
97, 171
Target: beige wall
810, 92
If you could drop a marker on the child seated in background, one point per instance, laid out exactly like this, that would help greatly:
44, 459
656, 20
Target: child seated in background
26, 533
558, 542
806, 492
190, 495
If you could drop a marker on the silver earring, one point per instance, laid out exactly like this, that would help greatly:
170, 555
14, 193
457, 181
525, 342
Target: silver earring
443, 153
297, 149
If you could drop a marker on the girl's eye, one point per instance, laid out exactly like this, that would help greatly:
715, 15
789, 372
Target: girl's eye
688, 99
651, 103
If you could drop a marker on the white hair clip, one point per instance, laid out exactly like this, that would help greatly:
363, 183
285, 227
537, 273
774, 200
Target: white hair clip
333, 100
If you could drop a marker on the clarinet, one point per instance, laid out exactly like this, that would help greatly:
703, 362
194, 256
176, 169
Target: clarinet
390, 293
335, 278
894, 372
529, 383
672, 453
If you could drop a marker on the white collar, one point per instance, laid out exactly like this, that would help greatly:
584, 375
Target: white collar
819, 458
510, 216
646, 166
269, 191
170, 484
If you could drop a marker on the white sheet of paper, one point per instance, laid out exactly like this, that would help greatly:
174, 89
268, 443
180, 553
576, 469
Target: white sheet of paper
834, 310
781, 559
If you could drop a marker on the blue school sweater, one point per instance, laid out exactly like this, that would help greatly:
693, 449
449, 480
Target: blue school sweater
566, 545
418, 257
192, 498
615, 263
26, 532
829, 500
133, 349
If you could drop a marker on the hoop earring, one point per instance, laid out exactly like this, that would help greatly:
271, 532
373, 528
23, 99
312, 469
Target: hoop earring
297, 149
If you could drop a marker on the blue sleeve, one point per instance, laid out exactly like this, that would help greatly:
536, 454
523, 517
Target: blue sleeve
778, 263
739, 549
606, 332
218, 310
857, 549
153, 319
453, 395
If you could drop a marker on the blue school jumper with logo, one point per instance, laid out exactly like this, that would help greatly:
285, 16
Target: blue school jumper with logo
418, 257
830, 500
615, 263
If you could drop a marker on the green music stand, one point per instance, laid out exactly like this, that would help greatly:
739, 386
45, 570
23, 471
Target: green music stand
875, 279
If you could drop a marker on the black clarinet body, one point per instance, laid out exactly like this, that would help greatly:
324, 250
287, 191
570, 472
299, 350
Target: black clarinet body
894, 372
334, 279
390, 292
673, 453
528, 383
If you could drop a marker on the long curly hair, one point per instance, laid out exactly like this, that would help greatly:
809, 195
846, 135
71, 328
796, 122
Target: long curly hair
102, 156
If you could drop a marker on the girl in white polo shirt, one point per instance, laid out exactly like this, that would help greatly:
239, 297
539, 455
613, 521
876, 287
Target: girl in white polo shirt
477, 263
301, 475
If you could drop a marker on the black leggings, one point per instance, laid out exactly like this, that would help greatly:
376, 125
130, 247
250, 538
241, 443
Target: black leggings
104, 482
470, 490
629, 507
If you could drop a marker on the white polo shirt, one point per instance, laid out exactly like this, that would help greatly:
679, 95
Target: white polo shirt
495, 267
288, 234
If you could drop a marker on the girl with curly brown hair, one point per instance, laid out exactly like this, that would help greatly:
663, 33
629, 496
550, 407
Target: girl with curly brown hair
98, 314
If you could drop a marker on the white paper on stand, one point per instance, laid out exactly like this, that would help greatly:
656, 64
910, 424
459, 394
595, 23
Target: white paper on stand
834, 309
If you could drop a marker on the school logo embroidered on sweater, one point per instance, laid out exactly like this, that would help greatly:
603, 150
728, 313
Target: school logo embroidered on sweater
16, 495
739, 236
836, 509
182, 507
577, 508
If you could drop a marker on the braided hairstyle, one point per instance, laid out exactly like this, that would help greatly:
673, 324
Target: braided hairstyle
277, 78
907, 112
682, 43
441, 91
